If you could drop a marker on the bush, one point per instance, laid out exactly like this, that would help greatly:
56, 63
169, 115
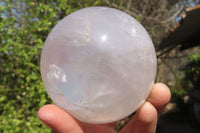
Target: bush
187, 84
24, 25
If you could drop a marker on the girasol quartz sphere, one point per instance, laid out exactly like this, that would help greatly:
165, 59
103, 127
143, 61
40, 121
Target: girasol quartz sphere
99, 64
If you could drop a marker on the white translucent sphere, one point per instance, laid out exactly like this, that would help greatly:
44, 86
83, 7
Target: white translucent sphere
99, 64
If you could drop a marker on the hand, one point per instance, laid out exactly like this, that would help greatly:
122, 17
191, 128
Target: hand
144, 121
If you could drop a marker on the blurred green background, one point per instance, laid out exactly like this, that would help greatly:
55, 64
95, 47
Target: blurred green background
25, 24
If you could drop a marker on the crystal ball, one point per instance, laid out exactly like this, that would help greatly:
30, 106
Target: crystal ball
98, 64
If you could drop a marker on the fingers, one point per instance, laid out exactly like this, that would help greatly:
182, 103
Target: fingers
99, 128
159, 96
145, 119
58, 120
61, 122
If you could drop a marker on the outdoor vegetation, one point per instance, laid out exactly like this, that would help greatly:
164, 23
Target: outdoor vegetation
24, 26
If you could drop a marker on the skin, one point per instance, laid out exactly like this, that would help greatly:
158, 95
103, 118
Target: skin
144, 121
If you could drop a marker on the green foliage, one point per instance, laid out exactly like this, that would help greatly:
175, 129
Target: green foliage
24, 25
191, 79
188, 81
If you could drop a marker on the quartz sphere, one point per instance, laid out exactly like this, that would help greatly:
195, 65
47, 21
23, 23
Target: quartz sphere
98, 64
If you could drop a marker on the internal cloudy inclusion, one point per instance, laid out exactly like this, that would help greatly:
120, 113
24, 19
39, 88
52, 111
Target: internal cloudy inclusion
99, 64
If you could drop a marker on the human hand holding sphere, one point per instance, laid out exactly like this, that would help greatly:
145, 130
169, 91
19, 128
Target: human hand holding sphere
144, 121
98, 64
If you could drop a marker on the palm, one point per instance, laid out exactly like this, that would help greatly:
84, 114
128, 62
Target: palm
98, 128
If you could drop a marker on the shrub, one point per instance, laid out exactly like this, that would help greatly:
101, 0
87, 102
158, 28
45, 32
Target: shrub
24, 25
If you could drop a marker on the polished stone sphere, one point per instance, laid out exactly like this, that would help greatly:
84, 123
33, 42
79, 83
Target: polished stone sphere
98, 64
